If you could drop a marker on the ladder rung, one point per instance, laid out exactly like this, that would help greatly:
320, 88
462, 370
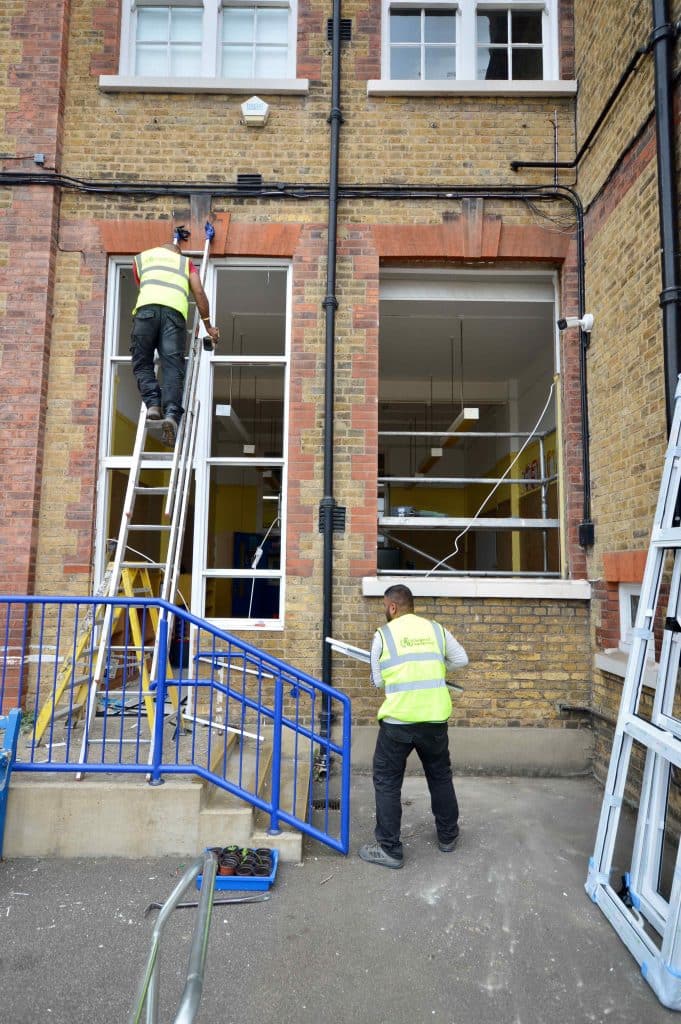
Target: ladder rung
148, 526
143, 565
141, 489
155, 457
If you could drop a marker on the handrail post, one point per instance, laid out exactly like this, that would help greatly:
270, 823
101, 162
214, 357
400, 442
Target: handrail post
276, 754
161, 664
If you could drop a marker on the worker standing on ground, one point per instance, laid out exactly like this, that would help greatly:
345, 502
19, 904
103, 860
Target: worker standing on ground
409, 659
165, 278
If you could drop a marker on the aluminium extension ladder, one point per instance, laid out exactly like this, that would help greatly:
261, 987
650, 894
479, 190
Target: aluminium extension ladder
647, 920
176, 493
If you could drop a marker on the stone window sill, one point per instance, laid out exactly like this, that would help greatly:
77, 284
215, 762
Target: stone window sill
614, 662
245, 86
446, 87
489, 586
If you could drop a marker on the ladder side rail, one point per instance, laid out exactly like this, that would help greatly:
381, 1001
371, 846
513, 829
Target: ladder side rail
600, 864
115, 578
176, 538
192, 371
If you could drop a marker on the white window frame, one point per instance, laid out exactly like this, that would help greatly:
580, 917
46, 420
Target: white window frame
211, 46
466, 43
625, 592
204, 462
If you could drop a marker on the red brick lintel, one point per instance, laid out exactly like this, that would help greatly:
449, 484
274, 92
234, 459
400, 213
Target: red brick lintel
624, 566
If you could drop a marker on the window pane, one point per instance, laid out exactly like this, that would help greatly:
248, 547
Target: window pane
125, 404
405, 62
151, 60
185, 60
405, 26
526, 28
185, 24
240, 513
238, 25
493, 27
152, 24
527, 64
440, 62
256, 598
248, 411
250, 311
270, 62
440, 27
272, 26
492, 64
237, 62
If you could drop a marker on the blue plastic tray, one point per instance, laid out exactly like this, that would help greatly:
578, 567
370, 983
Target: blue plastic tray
245, 882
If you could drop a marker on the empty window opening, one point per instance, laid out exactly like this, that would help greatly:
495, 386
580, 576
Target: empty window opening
467, 456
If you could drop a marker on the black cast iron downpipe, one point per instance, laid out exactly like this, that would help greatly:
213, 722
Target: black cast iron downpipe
663, 36
330, 306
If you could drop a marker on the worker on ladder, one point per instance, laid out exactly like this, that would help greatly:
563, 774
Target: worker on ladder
165, 277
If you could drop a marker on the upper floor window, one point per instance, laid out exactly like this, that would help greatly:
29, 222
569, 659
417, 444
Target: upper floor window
470, 40
228, 39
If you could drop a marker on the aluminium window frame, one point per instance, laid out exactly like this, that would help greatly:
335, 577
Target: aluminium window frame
466, 36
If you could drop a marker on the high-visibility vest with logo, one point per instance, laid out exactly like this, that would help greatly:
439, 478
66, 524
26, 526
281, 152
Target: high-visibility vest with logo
413, 670
164, 279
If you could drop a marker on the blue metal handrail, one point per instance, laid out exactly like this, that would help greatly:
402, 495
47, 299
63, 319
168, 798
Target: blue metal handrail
48, 647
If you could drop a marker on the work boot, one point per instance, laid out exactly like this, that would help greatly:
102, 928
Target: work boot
169, 431
373, 853
154, 412
448, 847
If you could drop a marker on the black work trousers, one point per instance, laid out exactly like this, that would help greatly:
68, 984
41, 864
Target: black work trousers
393, 746
157, 328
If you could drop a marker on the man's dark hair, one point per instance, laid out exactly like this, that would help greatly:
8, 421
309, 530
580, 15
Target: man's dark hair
401, 596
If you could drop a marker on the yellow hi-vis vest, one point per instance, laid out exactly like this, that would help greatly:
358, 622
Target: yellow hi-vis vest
164, 279
413, 670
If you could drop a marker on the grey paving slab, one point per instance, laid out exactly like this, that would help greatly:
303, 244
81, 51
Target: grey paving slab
500, 932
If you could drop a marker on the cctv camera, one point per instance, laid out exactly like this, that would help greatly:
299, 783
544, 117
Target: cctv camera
585, 323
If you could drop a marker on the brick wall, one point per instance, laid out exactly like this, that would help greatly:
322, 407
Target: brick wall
32, 84
515, 678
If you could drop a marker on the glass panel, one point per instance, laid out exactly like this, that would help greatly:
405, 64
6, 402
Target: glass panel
271, 62
492, 64
528, 65
126, 296
405, 26
272, 26
240, 515
526, 27
237, 62
256, 598
125, 404
185, 60
250, 311
440, 62
248, 411
151, 60
185, 24
440, 27
493, 27
238, 25
405, 62
151, 545
152, 24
